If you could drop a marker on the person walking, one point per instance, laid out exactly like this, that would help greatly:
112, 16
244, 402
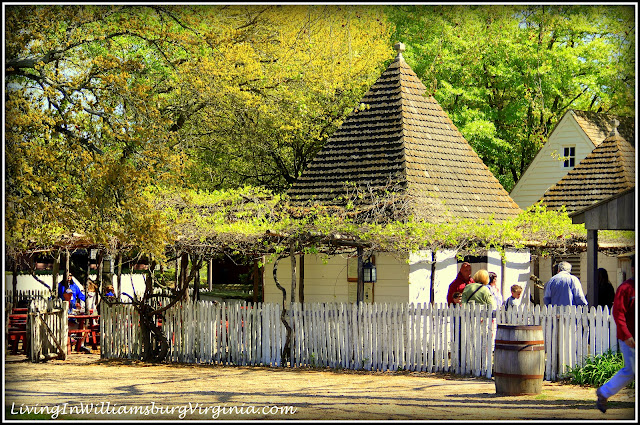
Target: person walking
624, 315
564, 288
462, 279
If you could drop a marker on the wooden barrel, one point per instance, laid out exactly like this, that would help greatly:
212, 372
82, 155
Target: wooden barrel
519, 359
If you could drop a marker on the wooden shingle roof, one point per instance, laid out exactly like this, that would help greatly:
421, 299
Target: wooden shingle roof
608, 170
598, 126
400, 134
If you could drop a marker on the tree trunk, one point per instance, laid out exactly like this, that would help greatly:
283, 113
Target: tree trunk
86, 283
210, 274
196, 282
65, 279
100, 280
433, 277
176, 283
119, 277
257, 282
184, 266
286, 350
360, 287
301, 285
292, 255
55, 272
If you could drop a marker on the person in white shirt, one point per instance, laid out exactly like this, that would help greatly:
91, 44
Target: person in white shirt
493, 287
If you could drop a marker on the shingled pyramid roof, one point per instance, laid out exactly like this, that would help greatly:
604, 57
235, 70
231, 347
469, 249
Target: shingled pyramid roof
608, 170
400, 134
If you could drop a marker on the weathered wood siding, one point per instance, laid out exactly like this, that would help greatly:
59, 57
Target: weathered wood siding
546, 169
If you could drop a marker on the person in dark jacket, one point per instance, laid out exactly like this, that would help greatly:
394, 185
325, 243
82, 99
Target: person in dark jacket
606, 293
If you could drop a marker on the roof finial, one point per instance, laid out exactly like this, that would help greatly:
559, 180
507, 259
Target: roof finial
399, 47
614, 127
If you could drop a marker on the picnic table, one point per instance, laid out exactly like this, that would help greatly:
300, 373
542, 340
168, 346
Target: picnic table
87, 331
17, 329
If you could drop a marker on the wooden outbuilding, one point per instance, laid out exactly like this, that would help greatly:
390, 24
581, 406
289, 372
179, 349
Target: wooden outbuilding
599, 192
617, 212
574, 137
399, 136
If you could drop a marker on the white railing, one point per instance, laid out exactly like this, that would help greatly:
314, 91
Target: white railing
423, 337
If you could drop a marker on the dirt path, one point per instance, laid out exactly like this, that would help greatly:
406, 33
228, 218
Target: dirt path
201, 391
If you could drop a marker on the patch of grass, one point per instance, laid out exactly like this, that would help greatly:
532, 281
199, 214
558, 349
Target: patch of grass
597, 370
228, 294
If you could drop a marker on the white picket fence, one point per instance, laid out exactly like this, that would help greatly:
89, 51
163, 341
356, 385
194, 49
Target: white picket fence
29, 294
375, 337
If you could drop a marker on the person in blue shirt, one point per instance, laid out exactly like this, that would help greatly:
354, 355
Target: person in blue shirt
77, 296
564, 288
71, 292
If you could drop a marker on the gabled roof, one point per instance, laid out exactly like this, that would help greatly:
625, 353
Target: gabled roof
606, 171
597, 126
401, 134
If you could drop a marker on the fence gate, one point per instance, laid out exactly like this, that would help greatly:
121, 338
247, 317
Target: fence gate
47, 329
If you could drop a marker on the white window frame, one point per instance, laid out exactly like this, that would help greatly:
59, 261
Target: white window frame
567, 157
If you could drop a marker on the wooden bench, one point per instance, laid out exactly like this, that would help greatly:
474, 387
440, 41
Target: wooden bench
17, 331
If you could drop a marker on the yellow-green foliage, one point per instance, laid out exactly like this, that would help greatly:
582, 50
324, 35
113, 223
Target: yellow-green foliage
241, 220
253, 220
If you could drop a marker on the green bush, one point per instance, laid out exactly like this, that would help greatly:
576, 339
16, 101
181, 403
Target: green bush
597, 370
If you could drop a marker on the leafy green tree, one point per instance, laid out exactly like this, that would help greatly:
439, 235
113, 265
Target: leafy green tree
104, 103
507, 74
84, 134
304, 69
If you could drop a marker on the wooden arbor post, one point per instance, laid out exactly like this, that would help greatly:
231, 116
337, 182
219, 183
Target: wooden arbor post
360, 287
614, 213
